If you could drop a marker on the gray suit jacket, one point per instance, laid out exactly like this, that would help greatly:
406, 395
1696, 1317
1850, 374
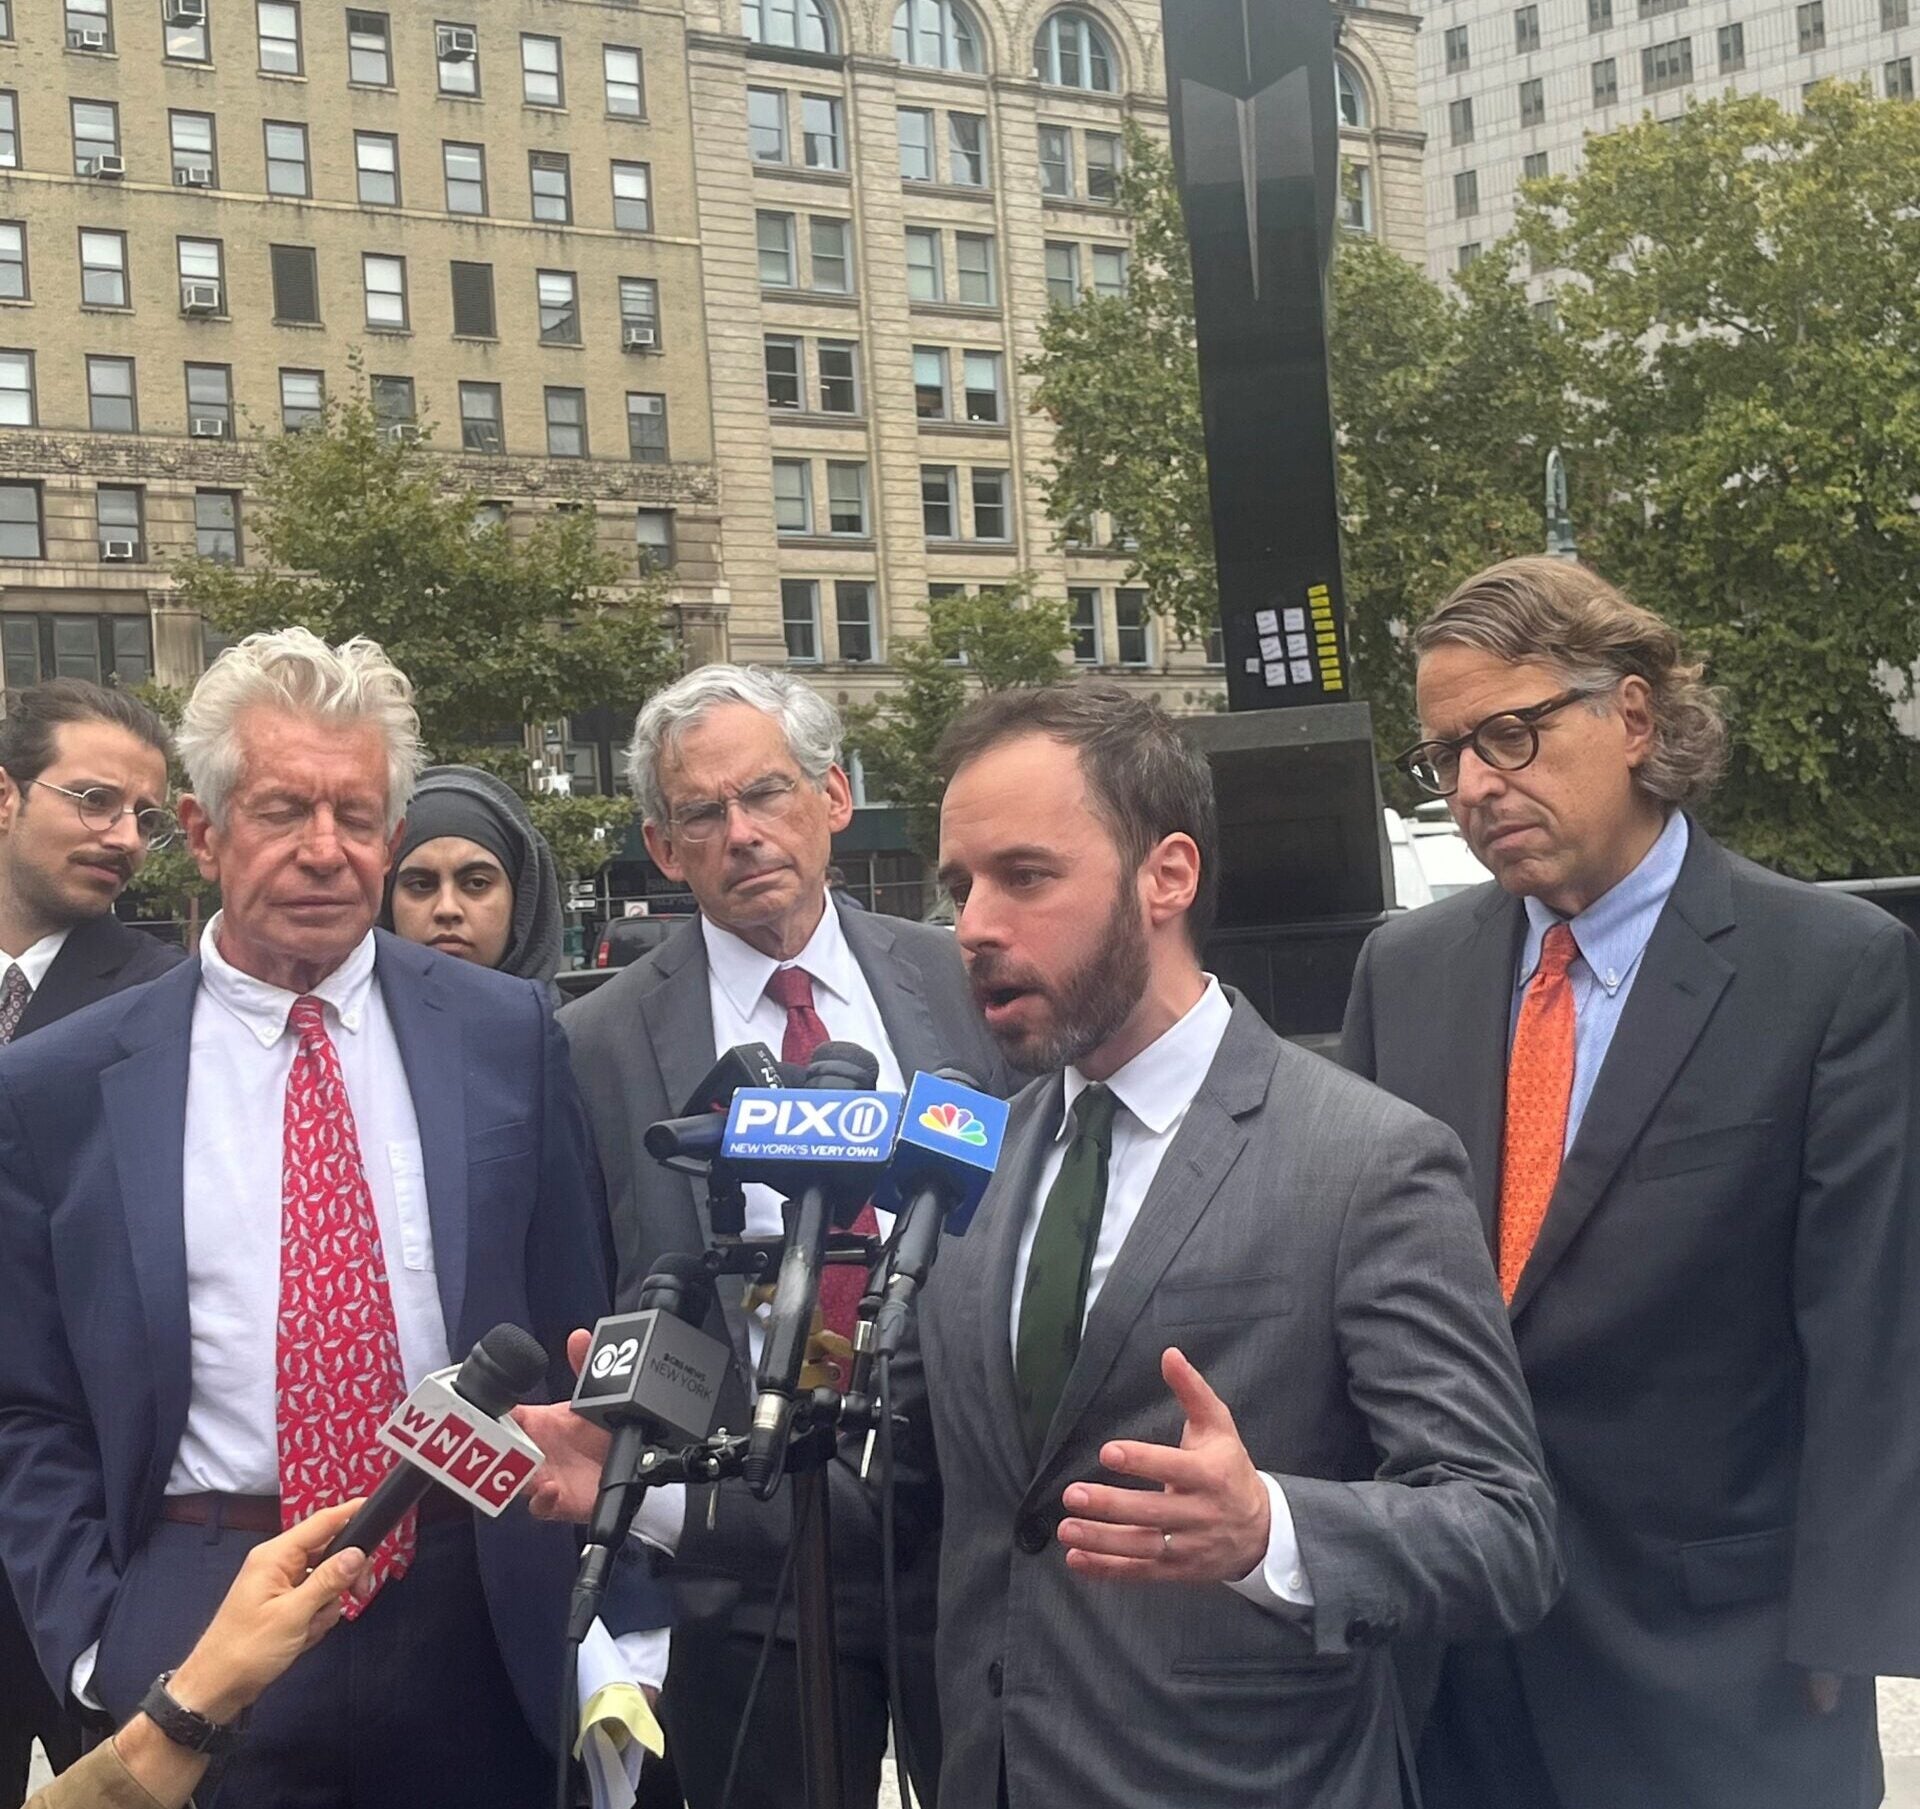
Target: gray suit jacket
1310, 1244
641, 1044
1718, 1324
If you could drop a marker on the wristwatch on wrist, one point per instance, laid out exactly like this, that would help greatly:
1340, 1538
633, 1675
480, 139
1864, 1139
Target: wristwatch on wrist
184, 1727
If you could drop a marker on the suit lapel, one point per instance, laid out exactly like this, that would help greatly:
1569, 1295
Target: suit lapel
431, 1039
678, 1022
1469, 1089
144, 1098
1197, 1162
896, 984
1680, 982
998, 1224
81, 973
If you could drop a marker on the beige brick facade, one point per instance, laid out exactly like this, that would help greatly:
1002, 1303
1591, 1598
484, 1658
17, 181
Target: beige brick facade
787, 199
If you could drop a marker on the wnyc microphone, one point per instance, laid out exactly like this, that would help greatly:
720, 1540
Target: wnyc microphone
823, 1145
452, 1430
950, 1139
648, 1373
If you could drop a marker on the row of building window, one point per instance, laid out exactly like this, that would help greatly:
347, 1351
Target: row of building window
288, 169
1809, 19
1071, 49
102, 648
187, 28
855, 628
804, 509
113, 406
201, 268
120, 523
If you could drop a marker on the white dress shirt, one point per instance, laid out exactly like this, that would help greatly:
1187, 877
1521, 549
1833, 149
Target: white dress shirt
1155, 1090
34, 961
242, 1055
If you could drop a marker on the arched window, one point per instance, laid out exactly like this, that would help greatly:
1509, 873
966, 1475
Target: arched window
1353, 96
936, 34
792, 24
1071, 51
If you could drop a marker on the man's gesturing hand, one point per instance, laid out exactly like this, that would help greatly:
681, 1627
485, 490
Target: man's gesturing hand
1207, 1522
567, 1484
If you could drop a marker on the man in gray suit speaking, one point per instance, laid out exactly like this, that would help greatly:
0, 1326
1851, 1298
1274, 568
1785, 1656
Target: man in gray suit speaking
1221, 1392
736, 773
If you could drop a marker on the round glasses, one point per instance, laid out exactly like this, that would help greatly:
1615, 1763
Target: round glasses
100, 807
1508, 741
766, 801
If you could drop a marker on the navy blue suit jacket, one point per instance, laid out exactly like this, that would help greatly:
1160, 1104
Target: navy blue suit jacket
94, 1351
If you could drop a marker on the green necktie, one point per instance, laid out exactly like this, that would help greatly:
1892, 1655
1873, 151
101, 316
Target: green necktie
1054, 1301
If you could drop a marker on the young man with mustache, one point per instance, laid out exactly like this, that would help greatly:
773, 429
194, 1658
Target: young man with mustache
1690, 1090
83, 792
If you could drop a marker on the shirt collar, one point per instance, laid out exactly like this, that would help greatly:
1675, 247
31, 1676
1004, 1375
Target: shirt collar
262, 1009
1159, 1083
743, 971
1613, 931
36, 958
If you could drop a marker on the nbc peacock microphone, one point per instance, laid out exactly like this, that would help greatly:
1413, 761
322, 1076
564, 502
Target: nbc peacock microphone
452, 1430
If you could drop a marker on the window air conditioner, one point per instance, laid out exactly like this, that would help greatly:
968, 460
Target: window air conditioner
86, 40
400, 433
193, 175
208, 427
643, 337
107, 168
199, 298
186, 12
116, 549
456, 44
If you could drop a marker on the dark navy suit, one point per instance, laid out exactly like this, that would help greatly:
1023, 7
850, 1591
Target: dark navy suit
94, 1342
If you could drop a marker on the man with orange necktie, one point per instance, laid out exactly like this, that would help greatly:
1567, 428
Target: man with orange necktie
736, 772
1690, 1090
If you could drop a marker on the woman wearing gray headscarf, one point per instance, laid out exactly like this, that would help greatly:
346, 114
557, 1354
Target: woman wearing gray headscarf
474, 878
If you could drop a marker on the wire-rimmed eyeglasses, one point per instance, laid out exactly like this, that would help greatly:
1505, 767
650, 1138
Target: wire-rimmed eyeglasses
100, 807
1508, 741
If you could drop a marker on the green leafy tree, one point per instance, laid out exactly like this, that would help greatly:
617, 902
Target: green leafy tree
358, 535
1003, 637
1745, 312
1120, 379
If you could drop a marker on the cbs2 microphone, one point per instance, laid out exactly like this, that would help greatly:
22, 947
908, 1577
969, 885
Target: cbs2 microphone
452, 1430
647, 1373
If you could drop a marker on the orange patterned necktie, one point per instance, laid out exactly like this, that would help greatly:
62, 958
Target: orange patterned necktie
1539, 1087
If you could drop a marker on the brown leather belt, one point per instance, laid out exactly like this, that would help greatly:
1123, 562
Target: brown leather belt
261, 1513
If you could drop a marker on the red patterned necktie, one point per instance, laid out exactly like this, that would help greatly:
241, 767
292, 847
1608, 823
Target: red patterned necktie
841, 1284
1539, 1090
338, 1364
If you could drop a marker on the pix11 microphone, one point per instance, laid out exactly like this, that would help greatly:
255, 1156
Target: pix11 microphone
697, 1131
453, 1430
648, 1374
950, 1139
824, 1152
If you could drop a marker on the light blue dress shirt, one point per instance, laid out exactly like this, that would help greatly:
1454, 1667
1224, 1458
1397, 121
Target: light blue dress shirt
1612, 935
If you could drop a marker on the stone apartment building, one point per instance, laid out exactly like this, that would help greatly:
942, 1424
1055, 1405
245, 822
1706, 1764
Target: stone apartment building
752, 279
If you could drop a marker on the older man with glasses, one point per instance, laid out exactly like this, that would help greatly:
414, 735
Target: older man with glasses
736, 771
1690, 1090
83, 787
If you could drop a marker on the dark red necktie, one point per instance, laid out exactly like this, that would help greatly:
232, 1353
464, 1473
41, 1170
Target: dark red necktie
338, 1365
841, 1284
